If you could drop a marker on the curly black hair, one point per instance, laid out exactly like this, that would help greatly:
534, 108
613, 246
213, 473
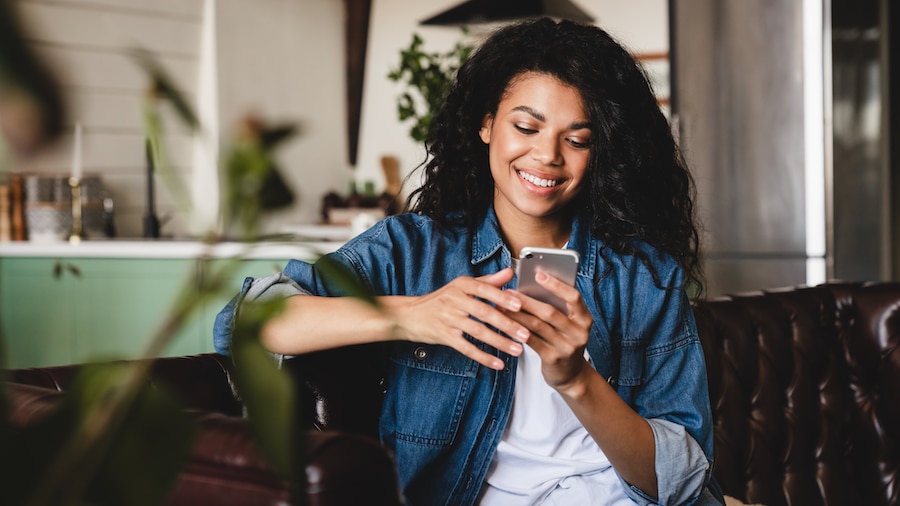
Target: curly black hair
639, 187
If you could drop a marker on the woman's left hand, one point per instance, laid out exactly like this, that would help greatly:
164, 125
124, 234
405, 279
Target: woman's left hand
559, 339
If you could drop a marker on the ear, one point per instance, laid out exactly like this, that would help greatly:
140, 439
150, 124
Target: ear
485, 132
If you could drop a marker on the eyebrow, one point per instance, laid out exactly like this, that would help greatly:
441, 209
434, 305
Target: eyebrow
540, 117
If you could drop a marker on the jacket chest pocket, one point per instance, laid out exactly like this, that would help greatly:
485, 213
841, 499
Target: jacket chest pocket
620, 361
428, 390
631, 363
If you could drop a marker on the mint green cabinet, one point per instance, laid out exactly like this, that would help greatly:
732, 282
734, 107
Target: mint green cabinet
35, 313
102, 308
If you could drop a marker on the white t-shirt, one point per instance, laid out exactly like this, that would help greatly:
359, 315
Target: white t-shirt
545, 455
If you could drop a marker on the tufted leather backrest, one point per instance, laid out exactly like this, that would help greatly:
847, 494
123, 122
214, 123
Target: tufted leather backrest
804, 385
805, 391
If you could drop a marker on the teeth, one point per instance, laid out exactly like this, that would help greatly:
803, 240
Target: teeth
544, 183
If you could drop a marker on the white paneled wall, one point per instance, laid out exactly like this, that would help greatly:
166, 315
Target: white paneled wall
280, 59
86, 43
284, 61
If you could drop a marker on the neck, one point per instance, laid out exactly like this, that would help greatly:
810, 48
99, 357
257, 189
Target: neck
546, 233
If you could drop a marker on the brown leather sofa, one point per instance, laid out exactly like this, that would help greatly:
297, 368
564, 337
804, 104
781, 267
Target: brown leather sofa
804, 385
805, 391
225, 467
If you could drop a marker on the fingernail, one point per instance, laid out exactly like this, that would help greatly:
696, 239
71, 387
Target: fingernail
541, 276
497, 364
515, 349
522, 334
515, 304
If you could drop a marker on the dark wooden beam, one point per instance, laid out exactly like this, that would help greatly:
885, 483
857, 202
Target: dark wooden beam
357, 34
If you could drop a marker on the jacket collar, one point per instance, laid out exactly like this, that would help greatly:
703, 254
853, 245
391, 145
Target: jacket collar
488, 242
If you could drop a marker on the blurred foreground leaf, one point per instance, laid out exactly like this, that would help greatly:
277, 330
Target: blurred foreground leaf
268, 393
161, 89
31, 106
163, 86
342, 281
251, 180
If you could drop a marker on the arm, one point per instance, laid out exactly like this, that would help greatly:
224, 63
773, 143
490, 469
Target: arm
654, 441
624, 436
441, 317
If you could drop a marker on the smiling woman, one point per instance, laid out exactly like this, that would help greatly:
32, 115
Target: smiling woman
539, 142
551, 137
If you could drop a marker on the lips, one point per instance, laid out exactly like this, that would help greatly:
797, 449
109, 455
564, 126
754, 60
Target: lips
537, 181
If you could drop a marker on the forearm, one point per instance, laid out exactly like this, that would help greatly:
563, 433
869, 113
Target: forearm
444, 317
311, 323
624, 436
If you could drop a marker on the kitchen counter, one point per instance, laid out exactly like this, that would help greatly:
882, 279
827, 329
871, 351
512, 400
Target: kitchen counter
312, 241
138, 248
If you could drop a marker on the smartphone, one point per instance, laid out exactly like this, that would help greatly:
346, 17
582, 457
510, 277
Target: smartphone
559, 263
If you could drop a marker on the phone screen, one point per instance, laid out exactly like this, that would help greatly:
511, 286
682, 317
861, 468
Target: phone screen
559, 263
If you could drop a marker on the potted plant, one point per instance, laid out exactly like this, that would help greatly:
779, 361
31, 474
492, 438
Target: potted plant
426, 76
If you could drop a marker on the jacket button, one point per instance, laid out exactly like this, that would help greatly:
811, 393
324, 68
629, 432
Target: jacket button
421, 353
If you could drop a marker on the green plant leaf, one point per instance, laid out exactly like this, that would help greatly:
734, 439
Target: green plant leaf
251, 181
342, 281
164, 86
29, 92
426, 75
267, 391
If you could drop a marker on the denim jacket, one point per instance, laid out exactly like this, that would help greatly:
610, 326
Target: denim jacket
444, 414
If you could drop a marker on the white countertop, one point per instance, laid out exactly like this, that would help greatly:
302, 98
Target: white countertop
167, 248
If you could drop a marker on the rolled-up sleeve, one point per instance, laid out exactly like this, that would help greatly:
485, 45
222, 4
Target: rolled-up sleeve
663, 376
681, 460
253, 289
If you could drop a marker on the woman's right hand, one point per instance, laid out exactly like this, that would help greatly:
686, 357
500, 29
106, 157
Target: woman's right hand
463, 307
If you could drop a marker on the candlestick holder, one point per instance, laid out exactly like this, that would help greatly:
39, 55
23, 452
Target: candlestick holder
77, 223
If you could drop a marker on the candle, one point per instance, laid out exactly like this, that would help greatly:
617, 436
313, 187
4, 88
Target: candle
76, 153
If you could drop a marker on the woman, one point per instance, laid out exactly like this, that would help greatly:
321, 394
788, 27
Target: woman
550, 136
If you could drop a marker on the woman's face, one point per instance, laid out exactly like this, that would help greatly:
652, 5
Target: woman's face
539, 148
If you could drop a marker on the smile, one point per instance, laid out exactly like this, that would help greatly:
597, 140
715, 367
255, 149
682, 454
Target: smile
543, 183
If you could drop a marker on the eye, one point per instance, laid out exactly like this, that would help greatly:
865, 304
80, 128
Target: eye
577, 144
524, 129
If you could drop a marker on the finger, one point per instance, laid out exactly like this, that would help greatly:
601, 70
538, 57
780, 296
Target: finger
539, 327
487, 314
564, 291
485, 334
551, 345
462, 345
544, 312
489, 288
547, 323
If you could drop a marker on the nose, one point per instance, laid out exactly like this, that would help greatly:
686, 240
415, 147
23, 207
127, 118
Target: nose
546, 150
